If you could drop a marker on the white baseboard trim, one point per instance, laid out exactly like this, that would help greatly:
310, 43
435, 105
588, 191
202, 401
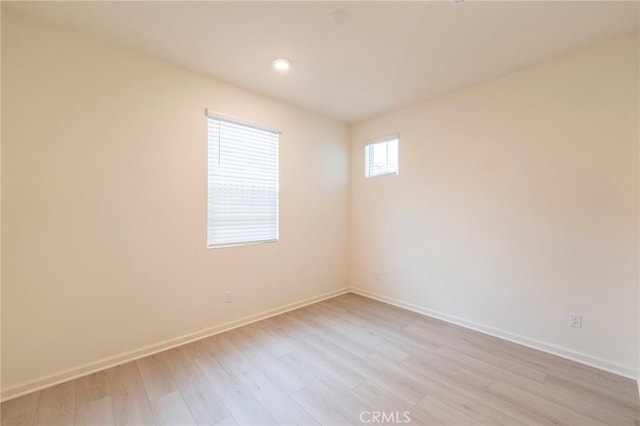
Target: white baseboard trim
550, 348
108, 362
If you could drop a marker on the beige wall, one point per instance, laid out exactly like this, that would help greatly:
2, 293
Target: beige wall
104, 196
516, 204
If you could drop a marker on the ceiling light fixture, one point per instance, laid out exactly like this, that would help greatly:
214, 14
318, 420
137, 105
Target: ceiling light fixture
281, 64
339, 18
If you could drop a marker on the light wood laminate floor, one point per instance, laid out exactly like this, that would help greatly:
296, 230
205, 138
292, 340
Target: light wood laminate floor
338, 362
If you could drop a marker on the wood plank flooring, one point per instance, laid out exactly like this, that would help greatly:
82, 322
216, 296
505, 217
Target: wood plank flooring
346, 360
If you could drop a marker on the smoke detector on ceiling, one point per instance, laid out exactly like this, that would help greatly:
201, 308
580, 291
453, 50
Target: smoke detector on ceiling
339, 18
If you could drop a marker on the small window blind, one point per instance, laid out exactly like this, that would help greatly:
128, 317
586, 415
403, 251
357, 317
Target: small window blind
242, 183
381, 158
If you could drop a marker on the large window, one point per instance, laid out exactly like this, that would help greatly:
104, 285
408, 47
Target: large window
242, 183
381, 158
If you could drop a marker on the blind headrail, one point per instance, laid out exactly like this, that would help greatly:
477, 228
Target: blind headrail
223, 117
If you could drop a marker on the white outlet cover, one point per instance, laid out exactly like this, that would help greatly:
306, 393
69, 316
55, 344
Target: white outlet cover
575, 320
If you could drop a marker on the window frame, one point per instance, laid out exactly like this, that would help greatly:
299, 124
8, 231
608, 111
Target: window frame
385, 140
238, 122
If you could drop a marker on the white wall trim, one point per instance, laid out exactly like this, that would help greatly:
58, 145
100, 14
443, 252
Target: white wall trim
108, 362
550, 348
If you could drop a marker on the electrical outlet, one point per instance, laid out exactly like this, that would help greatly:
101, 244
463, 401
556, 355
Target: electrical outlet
227, 297
378, 275
575, 320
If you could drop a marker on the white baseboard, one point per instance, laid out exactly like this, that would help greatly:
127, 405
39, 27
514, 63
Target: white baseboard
104, 363
560, 351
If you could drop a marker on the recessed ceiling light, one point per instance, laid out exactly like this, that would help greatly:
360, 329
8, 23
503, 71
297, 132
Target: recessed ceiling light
339, 18
281, 64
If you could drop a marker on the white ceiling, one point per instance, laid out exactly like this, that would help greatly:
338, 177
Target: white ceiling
390, 54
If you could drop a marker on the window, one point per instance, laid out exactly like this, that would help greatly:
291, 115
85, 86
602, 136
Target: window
242, 203
381, 158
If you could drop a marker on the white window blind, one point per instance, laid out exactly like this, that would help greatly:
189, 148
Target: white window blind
381, 158
242, 183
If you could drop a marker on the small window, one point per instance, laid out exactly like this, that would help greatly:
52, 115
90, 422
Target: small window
242, 185
381, 158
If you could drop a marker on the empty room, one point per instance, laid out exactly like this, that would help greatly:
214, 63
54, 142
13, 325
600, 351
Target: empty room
320, 213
